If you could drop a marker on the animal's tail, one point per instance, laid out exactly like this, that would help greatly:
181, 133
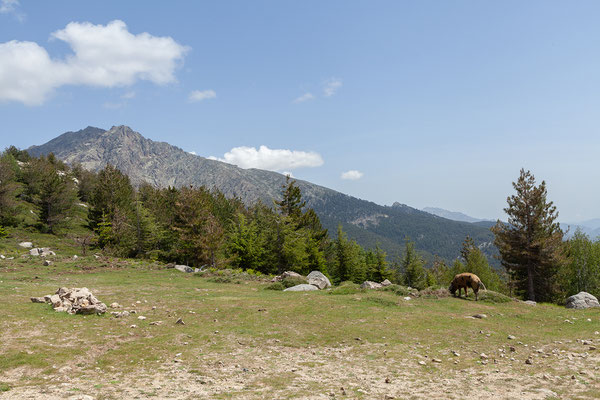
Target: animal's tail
482, 285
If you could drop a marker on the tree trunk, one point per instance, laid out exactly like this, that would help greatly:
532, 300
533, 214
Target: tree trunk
530, 287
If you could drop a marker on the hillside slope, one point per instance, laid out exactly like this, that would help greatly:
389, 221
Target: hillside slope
163, 165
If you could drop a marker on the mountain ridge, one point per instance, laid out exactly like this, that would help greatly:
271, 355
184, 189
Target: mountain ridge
162, 165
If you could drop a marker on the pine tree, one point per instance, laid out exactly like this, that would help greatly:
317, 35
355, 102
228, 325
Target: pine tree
291, 204
414, 274
530, 245
56, 199
8, 189
581, 272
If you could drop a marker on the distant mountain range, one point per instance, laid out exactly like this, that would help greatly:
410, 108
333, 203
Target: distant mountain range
162, 165
590, 227
453, 215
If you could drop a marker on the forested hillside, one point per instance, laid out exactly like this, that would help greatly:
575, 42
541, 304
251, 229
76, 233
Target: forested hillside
163, 165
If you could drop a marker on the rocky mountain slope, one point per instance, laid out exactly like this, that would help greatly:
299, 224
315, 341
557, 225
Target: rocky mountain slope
162, 164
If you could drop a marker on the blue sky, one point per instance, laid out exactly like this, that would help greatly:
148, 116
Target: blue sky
431, 103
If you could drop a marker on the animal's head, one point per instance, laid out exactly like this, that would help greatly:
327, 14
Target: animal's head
452, 288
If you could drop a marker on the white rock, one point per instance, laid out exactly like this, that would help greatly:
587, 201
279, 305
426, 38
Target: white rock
370, 285
301, 288
184, 268
26, 245
319, 280
141, 318
582, 300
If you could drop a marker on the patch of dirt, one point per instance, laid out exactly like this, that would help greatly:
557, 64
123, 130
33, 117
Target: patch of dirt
277, 371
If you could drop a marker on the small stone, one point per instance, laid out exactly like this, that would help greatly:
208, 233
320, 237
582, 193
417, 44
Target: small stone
387, 380
179, 322
455, 354
47, 263
156, 323
115, 305
141, 318
436, 360
529, 361
483, 356
75, 257
512, 349
511, 337
592, 347
421, 362
357, 339
133, 326
480, 316
154, 307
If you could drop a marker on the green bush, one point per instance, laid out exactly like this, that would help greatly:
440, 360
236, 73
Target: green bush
3, 232
275, 286
4, 387
434, 292
346, 287
399, 290
489, 296
293, 281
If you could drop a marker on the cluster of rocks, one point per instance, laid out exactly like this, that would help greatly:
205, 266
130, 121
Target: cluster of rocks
375, 285
582, 300
37, 251
73, 301
316, 281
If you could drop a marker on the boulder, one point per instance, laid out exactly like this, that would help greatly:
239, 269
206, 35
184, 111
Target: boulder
26, 245
2, 257
286, 274
41, 251
582, 300
73, 301
530, 302
301, 288
47, 263
319, 280
370, 285
386, 283
184, 268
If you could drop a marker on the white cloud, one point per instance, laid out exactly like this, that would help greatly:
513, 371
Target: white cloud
128, 95
331, 87
103, 56
192, 152
287, 173
270, 159
352, 175
304, 97
8, 6
198, 95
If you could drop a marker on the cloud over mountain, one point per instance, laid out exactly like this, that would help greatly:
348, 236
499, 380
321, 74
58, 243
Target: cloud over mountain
270, 159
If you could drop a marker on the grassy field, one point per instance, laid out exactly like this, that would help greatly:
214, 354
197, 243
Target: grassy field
241, 341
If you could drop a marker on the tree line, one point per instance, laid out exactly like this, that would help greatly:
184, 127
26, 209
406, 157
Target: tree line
203, 228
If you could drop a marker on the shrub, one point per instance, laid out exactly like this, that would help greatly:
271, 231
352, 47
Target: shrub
489, 296
346, 287
293, 281
492, 297
399, 290
275, 286
433, 292
3, 232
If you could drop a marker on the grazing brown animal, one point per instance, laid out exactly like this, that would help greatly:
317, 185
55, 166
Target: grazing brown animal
466, 280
